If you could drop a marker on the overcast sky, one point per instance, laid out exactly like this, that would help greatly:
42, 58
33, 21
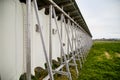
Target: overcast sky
102, 17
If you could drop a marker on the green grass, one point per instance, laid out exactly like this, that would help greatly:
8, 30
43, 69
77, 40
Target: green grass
103, 62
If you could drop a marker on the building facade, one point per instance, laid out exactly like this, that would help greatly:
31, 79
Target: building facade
14, 40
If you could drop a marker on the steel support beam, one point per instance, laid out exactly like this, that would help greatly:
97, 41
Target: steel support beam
43, 43
56, 6
28, 44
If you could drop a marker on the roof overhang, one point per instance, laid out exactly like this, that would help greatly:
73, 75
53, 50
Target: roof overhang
70, 7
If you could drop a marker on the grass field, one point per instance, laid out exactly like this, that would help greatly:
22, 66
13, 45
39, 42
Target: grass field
103, 62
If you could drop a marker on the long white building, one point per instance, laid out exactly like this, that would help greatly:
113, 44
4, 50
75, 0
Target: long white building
21, 48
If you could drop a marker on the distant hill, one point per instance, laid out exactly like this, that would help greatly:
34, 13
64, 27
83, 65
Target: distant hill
109, 39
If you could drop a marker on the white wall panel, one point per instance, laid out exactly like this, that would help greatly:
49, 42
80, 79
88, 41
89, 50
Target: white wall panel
11, 39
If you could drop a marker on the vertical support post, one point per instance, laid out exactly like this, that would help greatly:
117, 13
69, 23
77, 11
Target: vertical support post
28, 44
61, 54
72, 35
50, 34
84, 47
68, 42
66, 63
80, 46
43, 43
75, 40
77, 48
70, 45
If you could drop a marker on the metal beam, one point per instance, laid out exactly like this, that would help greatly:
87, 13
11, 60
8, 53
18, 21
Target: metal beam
55, 5
60, 72
28, 47
72, 12
61, 43
76, 18
43, 43
60, 67
50, 34
68, 4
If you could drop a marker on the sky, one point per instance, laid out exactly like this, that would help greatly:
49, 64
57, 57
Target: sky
102, 17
